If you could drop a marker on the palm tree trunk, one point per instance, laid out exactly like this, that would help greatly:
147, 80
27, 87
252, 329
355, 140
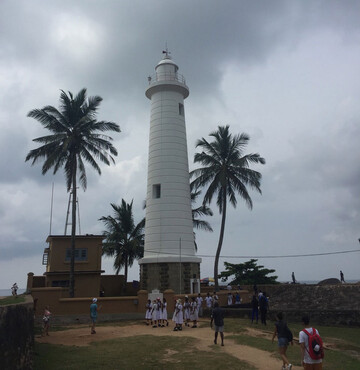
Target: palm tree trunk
125, 275
73, 234
221, 237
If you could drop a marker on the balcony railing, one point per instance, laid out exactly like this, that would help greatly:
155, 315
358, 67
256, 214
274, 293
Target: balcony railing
167, 76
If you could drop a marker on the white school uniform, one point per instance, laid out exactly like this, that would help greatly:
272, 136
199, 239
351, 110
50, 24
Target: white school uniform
208, 301
187, 310
193, 311
174, 314
179, 317
154, 312
164, 312
148, 311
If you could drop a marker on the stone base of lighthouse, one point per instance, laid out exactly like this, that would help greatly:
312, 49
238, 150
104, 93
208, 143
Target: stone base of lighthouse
181, 277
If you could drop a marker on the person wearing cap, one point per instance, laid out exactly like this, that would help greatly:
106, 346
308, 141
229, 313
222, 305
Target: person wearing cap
179, 316
93, 314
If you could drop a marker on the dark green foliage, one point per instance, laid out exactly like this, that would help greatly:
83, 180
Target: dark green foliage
76, 138
225, 173
248, 273
124, 239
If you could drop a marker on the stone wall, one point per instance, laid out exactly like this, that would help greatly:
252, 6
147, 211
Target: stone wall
163, 276
326, 304
17, 335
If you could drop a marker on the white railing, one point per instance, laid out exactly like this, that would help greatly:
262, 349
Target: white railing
167, 76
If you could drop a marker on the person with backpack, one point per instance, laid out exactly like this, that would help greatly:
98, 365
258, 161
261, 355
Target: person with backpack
311, 346
284, 338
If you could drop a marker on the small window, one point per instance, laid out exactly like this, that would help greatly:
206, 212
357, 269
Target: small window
156, 191
81, 254
181, 109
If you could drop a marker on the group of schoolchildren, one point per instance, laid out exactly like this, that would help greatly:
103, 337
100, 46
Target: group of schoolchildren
156, 313
186, 312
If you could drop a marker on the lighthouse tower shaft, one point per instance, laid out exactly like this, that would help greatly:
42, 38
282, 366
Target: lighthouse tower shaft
169, 256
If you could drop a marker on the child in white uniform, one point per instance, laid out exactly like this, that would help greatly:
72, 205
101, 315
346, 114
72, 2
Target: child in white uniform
164, 313
187, 311
194, 312
179, 317
148, 312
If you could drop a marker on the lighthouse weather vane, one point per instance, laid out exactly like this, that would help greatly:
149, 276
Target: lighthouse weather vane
166, 51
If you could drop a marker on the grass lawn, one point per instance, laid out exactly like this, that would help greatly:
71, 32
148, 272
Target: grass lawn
140, 352
344, 353
166, 352
12, 300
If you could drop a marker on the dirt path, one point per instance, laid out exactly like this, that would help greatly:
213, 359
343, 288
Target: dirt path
82, 337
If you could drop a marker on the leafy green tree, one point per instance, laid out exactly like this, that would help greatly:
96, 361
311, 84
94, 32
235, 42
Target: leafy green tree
202, 210
76, 138
248, 273
225, 172
124, 239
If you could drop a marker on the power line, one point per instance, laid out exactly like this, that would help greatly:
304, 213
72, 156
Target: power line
289, 255
284, 256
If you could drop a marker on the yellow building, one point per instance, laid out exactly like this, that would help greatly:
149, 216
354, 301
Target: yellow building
88, 250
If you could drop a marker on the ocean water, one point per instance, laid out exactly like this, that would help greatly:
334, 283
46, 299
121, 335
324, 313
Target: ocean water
7, 292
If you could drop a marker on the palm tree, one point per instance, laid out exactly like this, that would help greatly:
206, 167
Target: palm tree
203, 210
124, 239
76, 137
225, 172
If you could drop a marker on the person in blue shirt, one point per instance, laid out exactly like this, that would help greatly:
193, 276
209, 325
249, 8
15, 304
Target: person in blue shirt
93, 315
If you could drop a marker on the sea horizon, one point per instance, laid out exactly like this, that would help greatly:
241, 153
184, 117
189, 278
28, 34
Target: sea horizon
7, 292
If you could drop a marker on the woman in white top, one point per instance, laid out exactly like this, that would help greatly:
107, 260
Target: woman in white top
208, 300
154, 313
148, 312
193, 312
179, 317
187, 311
164, 313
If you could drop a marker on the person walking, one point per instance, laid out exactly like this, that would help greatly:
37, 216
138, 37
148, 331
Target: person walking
263, 305
284, 335
199, 302
193, 312
254, 309
14, 290
217, 317
307, 361
93, 314
342, 279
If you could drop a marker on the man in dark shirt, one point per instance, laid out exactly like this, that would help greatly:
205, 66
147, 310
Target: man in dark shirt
218, 317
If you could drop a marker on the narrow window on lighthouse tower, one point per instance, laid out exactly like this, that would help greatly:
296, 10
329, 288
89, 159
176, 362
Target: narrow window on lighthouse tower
181, 109
156, 191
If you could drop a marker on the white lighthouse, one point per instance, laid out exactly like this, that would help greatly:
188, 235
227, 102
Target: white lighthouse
169, 260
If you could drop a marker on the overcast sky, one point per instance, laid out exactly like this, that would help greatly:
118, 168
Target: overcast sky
285, 72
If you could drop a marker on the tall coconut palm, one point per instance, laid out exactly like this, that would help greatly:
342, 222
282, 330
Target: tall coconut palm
124, 239
225, 173
76, 137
